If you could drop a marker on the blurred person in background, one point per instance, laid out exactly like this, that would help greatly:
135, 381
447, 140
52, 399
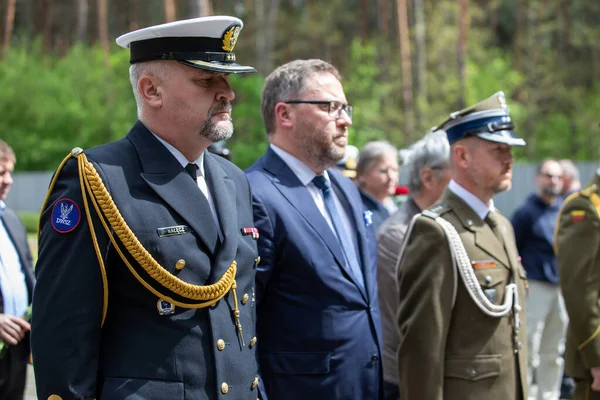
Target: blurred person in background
534, 224
426, 164
577, 241
16, 288
377, 178
571, 182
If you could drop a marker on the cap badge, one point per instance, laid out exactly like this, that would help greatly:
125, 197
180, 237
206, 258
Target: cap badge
230, 37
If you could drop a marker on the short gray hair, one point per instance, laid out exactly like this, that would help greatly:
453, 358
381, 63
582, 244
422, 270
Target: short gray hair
155, 68
569, 169
287, 82
433, 151
371, 153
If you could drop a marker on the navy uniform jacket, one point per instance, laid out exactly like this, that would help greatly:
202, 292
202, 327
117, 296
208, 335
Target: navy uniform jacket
320, 335
138, 353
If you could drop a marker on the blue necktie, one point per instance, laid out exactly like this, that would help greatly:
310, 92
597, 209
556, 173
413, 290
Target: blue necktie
343, 237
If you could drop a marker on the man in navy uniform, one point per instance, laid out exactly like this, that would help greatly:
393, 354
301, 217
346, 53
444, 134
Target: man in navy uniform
147, 246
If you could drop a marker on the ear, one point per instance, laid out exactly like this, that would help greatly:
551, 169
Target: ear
426, 177
461, 155
283, 116
150, 91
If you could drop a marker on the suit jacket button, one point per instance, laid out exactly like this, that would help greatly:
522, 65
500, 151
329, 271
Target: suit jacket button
473, 373
252, 341
374, 357
220, 344
180, 264
245, 298
224, 388
255, 382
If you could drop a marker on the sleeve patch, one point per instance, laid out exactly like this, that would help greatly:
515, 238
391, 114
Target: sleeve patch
578, 215
65, 215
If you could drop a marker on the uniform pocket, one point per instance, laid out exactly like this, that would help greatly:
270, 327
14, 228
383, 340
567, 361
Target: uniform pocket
299, 363
473, 368
140, 389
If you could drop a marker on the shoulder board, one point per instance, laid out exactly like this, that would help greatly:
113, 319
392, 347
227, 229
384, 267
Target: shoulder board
436, 210
588, 191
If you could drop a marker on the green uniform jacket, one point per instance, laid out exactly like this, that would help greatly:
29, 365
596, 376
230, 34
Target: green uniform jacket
577, 239
454, 351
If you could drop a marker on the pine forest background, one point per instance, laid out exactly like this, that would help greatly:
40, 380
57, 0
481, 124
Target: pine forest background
406, 65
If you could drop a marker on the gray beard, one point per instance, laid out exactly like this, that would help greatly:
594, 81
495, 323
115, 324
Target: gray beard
216, 132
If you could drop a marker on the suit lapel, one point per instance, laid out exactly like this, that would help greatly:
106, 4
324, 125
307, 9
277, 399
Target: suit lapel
224, 197
298, 196
163, 173
21, 252
485, 239
356, 218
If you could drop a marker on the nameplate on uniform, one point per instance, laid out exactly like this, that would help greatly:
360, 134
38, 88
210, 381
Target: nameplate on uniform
173, 230
483, 264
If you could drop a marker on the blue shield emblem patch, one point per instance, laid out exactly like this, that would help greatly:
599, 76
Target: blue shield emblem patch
65, 215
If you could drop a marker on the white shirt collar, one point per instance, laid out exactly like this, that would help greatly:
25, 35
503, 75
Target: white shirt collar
180, 157
301, 170
480, 208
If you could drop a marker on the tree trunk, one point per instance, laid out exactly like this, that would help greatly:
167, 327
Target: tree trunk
204, 8
83, 11
9, 24
45, 18
421, 89
407, 94
520, 29
463, 30
383, 18
170, 10
364, 20
103, 25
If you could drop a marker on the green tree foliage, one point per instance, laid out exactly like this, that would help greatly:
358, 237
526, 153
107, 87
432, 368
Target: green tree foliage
541, 53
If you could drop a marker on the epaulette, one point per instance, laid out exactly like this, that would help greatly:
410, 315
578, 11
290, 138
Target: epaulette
436, 210
588, 191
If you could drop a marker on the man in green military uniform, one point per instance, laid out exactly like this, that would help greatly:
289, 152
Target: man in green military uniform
577, 241
461, 285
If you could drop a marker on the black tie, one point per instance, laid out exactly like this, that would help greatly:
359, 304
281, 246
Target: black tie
192, 169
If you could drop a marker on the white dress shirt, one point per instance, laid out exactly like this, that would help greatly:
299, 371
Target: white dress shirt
200, 180
306, 175
480, 208
12, 279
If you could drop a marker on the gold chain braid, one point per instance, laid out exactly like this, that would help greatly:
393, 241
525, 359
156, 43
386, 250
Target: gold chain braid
100, 197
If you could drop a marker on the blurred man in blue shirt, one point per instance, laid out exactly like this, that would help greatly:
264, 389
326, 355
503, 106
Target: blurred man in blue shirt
547, 319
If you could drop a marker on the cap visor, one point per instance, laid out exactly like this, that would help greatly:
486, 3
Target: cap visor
506, 137
230, 68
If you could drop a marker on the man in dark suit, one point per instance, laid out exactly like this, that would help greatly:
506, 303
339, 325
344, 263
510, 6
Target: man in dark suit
16, 288
147, 251
318, 319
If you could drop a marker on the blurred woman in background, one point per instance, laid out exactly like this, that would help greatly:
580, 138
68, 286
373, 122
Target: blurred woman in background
377, 178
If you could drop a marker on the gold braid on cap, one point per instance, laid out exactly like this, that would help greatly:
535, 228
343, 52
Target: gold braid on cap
107, 211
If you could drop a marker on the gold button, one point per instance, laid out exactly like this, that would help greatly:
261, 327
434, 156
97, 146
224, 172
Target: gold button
180, 264
257, 260
245, 298
255, 382
253, 341
220, 344
54, 397
224, 388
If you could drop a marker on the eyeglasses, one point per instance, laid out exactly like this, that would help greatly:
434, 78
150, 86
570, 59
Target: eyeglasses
335, 107
550, 176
